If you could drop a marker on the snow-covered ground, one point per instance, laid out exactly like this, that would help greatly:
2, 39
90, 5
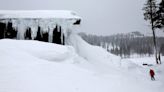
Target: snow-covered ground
33, 66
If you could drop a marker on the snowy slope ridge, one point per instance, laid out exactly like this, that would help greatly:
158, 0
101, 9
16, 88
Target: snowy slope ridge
93, 54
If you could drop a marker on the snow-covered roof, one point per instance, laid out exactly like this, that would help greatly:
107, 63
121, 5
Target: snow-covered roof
38, 14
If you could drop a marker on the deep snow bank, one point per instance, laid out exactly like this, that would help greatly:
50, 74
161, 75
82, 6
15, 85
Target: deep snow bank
77, 49
25, 67
47, 51
93, 54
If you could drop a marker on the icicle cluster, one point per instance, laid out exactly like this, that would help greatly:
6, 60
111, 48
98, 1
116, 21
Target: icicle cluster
32, 27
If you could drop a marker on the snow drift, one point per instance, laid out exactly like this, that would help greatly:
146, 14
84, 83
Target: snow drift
33, 66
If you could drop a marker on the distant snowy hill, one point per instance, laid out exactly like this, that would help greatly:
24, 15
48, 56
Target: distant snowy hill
130, 34
33, 66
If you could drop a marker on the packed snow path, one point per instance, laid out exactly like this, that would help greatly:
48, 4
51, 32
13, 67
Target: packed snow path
33, 66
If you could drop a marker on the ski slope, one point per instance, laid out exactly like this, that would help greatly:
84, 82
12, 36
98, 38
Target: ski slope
33, 66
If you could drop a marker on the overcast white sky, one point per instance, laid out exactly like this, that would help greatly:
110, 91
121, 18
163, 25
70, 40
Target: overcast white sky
103, 17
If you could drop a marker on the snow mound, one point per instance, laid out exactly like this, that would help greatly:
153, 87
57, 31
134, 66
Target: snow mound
42, 50
25, 67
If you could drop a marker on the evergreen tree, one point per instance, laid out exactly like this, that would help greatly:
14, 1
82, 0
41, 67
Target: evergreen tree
150, 13
160, 17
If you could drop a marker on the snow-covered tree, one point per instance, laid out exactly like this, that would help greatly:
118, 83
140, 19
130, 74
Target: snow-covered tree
150, 13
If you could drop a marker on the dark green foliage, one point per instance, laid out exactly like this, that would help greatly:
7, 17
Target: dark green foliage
160, 15
150, 12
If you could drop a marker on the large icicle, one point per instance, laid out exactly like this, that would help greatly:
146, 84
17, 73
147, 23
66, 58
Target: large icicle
46, 24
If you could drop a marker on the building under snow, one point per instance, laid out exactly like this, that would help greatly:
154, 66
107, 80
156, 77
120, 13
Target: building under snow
43, 25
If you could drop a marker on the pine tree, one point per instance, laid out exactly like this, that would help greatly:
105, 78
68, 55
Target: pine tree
150, 13
160, 21
160, 17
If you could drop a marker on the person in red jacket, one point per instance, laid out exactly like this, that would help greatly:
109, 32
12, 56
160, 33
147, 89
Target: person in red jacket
152, 73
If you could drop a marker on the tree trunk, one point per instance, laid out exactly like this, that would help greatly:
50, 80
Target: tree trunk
155, 46
159, 57
154, 38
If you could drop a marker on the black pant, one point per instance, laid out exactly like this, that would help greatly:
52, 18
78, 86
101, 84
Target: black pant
152, 78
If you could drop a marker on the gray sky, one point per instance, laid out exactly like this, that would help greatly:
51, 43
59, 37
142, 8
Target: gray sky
103, 17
